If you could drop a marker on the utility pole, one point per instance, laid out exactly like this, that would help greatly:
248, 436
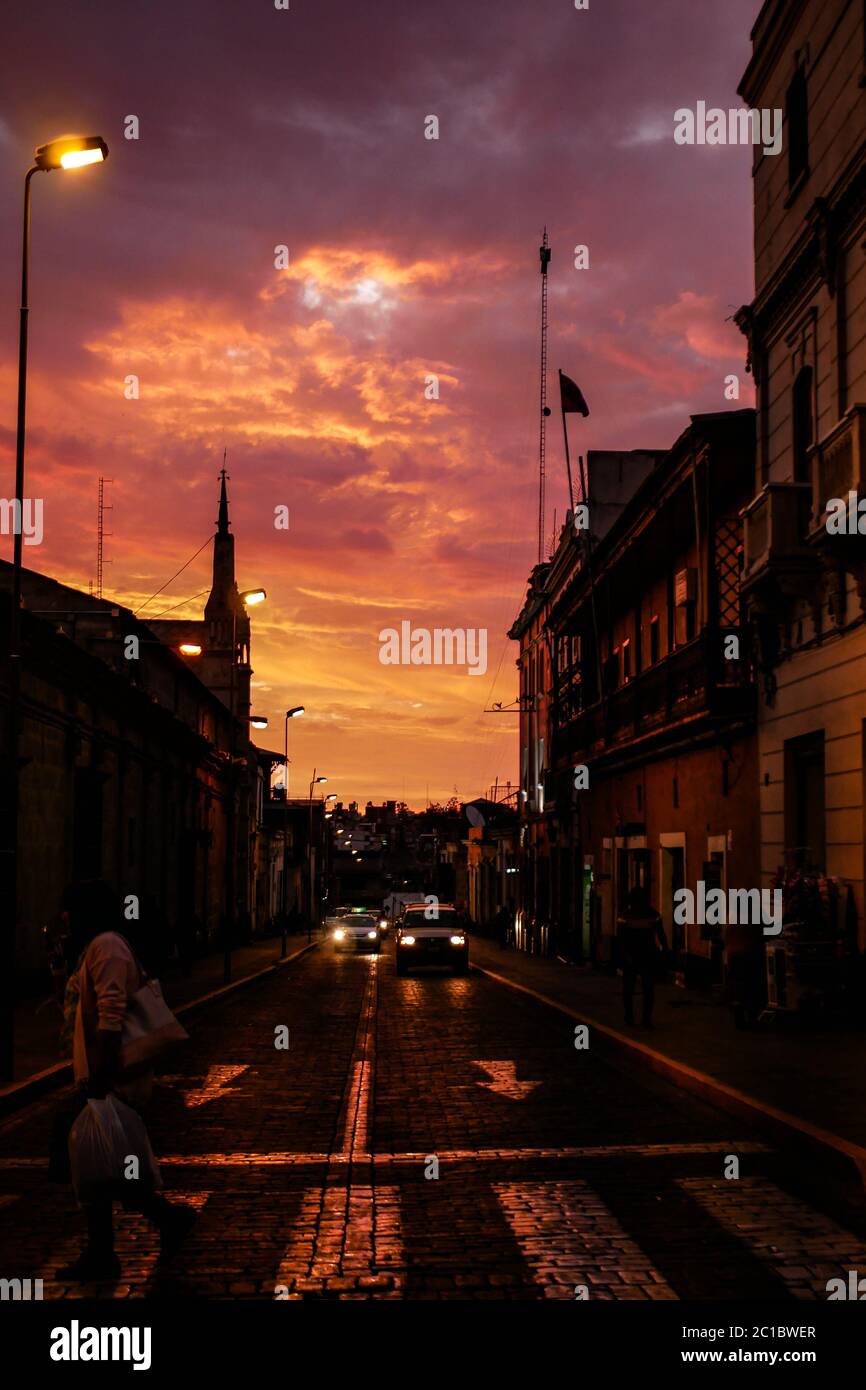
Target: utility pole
544, 257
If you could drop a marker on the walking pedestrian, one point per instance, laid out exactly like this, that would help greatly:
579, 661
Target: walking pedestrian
638, 930
500, 926
107, 975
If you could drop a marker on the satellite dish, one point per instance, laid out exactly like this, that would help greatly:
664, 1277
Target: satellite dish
474, 816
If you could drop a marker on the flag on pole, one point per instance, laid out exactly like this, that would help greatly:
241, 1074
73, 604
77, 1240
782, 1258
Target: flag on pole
571, 396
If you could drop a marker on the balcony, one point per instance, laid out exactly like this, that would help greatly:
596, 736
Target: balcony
777, 556
839, 465
839, 473
692, 681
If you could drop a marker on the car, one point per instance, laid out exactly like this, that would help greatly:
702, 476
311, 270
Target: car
424, 939
358, 931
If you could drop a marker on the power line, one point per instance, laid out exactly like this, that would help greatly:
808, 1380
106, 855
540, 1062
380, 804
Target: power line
174, 576
152, 618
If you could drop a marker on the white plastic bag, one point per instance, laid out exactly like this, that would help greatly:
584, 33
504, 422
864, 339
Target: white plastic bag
104, 1138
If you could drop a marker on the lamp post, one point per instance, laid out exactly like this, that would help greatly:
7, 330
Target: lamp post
313, 783
326, 846
67, 152
249, 598
292, 713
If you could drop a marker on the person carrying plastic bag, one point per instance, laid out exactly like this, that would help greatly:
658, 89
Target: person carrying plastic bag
110, 1154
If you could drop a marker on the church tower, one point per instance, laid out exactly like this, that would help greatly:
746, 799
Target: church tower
227, 623
225, 617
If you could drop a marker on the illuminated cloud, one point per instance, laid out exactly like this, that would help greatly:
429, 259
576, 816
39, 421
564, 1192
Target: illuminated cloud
406, 258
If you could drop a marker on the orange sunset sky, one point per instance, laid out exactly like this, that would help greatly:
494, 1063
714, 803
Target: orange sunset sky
407, 257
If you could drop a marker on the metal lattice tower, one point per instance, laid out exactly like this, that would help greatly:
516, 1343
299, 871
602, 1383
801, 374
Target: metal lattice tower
543, 412
101, 533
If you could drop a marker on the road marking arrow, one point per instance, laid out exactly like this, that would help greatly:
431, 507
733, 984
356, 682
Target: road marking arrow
214, 1085
503, 1080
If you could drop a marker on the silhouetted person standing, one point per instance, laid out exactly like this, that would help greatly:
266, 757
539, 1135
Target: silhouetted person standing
638, 930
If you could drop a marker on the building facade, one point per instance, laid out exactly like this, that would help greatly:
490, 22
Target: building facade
805, 575
638, 752
133, 770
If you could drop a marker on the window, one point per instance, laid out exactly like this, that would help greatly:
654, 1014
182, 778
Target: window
797, 122
611, 671
801, 416
805, 832
654, 649
626, 660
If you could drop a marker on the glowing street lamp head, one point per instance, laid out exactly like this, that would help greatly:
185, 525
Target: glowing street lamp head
71, 152
332, 796
320, 779
294, 711
190, 649
259, 721
250, 597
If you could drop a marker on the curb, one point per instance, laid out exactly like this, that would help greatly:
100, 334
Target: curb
849, 1159
41, 1083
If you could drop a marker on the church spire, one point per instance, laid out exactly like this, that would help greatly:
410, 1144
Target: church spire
223, 598
223, 519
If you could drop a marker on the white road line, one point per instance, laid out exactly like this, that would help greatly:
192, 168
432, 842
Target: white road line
340, 1238
291, 1159
802, 1246
355, 1112
344, 1235
568, 1238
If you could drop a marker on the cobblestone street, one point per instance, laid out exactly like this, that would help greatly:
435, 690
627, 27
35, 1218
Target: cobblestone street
313, 1167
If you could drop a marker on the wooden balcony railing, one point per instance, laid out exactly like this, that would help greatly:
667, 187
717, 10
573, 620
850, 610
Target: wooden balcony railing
691, 680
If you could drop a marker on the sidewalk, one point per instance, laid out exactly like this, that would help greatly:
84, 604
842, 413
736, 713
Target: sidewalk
817, 1077
37, 1022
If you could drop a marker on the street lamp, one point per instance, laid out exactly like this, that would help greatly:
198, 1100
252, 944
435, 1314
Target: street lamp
249, 598
67, 152
292, 713
314, 781
70, 152
259, 721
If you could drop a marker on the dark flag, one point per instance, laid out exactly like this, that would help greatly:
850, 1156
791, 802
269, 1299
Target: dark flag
572, 397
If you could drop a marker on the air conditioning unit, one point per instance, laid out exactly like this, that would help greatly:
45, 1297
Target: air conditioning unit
685, 587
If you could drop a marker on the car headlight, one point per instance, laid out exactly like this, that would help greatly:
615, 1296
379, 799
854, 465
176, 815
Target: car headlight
339, 934
458, 941
383, 922
372, 935
407, 941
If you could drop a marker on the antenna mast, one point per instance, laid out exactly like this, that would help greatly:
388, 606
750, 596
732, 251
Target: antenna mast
101, 534
544, 256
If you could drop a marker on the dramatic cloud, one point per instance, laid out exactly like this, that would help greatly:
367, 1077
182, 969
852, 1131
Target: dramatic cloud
380, 378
